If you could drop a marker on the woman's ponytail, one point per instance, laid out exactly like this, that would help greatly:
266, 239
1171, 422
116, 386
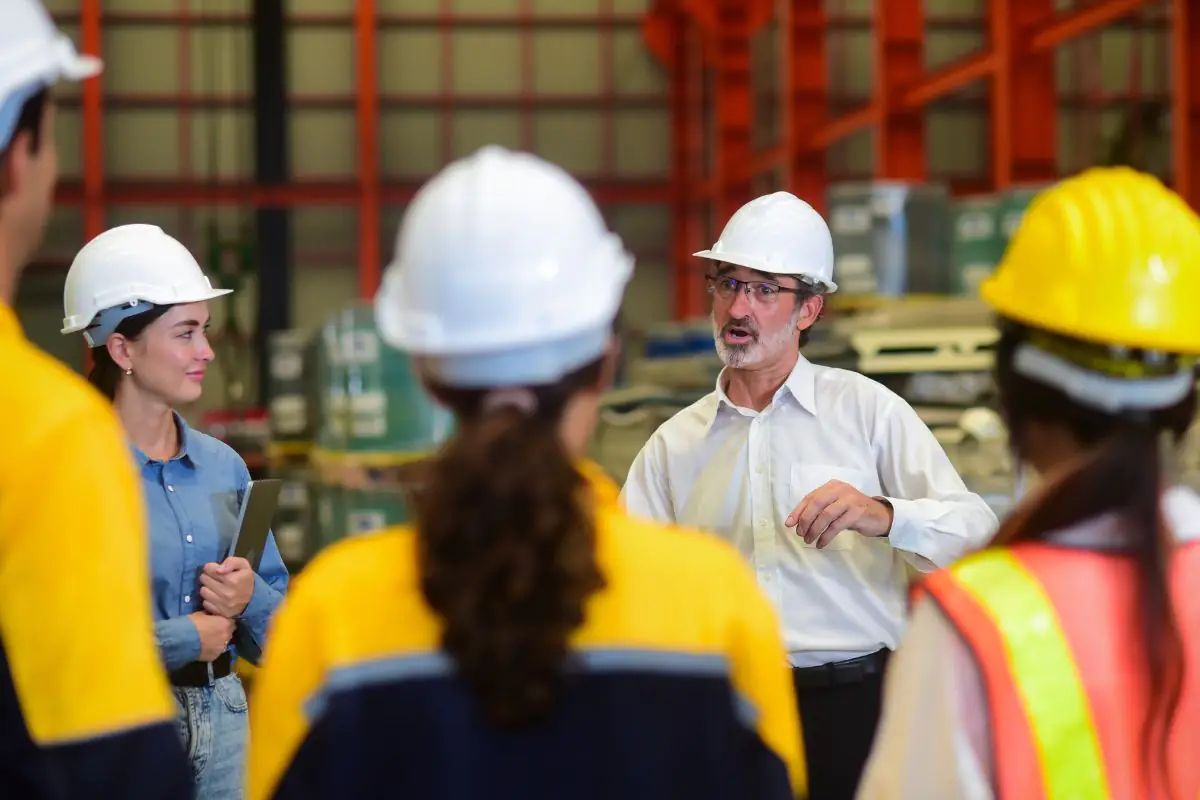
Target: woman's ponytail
507, 555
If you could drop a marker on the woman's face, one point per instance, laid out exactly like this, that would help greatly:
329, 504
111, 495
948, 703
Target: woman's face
170, 356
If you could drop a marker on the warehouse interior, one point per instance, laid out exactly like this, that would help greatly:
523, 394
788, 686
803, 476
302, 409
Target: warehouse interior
281, 139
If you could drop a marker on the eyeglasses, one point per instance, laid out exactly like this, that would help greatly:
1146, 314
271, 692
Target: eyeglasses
762, 292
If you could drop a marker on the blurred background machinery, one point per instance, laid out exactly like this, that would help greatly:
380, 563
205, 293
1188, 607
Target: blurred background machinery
281, 140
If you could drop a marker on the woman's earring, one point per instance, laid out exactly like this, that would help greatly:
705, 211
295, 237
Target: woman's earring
129, 372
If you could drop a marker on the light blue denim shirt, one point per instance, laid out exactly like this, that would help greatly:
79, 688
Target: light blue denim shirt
192, 503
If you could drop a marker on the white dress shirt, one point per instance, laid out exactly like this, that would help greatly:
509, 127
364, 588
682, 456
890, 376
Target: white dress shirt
934, 686
740, 473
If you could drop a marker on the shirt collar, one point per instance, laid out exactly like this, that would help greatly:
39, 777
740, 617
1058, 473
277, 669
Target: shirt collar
801, 384
186, 449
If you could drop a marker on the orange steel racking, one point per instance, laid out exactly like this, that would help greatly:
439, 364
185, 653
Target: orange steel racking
705, 46
368, 190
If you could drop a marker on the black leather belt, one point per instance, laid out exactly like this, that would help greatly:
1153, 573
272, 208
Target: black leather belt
197, 674
839, 673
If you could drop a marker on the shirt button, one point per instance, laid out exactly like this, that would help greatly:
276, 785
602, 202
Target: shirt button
187, 598
189, 537
758, 470
768, 577
170, 488
762, 523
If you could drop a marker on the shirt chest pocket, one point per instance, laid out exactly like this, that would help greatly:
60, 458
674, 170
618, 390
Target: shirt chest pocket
805, 478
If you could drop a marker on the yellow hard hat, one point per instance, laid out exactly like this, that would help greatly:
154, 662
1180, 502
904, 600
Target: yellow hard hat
1110, 256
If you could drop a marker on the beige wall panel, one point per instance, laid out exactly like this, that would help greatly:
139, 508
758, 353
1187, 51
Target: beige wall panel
64, 234
389, 225
221, 60
474, 128
39, 309
323, 143
409, 142
321, 61
61, 6
849, 7
566, 7
635, 70
487, 6
570, 139
945, 47
955, 8
649, 296
410, 61
221, 143
855, 154
325, 230
566, 62
319, 291
141, 60
642, 139
168, 218
851, 59
210, 6
645, 229
487, 61
68, 88
957, 142
630, 6
141, 143
68, 134
397, 6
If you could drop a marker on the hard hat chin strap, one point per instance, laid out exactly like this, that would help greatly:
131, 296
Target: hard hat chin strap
1099, 391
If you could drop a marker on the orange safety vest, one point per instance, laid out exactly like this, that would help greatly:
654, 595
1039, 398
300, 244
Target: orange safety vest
1056, 634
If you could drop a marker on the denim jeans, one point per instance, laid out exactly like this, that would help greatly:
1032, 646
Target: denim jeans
213, 725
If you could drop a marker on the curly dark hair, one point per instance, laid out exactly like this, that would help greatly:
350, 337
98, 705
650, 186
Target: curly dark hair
506, 547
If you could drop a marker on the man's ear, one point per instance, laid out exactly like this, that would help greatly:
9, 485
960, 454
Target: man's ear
15, 163
810, 312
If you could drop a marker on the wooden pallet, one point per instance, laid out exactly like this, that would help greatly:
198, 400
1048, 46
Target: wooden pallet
949, 349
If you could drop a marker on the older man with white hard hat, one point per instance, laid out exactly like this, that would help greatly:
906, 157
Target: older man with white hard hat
84, 705
828, 483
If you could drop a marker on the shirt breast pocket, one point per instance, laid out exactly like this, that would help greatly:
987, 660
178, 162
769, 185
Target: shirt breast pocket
807, 477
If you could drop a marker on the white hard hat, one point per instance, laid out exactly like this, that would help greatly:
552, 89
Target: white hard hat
127, 270
33, 55
780, 234
504, 274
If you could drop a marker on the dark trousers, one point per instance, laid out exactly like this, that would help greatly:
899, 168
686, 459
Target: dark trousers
839, 724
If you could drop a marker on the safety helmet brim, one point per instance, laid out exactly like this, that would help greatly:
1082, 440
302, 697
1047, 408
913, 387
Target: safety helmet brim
755, 263
80, 323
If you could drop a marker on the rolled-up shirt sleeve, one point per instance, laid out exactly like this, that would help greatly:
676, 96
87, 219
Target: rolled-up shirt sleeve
936, 518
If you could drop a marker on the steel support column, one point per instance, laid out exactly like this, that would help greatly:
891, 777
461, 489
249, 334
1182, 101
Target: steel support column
367, 104
1024, 101
1185, 77
273, 224
805, 97
899, 63
734, 104
92, 40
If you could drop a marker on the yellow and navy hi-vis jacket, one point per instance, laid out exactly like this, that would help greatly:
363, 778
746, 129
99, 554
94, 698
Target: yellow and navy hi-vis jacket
682, 691
85, 710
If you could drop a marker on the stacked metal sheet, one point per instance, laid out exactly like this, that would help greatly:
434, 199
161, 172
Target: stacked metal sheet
978, 242
890, 238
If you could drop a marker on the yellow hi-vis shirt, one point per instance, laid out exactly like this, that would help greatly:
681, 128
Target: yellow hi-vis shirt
85, 710
678, 686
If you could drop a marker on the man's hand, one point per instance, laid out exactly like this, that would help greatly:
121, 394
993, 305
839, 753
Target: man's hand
226, 588
836, 506
215, 633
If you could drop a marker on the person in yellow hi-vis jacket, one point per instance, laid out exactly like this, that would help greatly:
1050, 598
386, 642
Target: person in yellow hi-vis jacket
84, 707
1064, 660
525, 637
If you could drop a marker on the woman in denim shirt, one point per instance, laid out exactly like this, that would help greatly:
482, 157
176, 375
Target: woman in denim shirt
139, 297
